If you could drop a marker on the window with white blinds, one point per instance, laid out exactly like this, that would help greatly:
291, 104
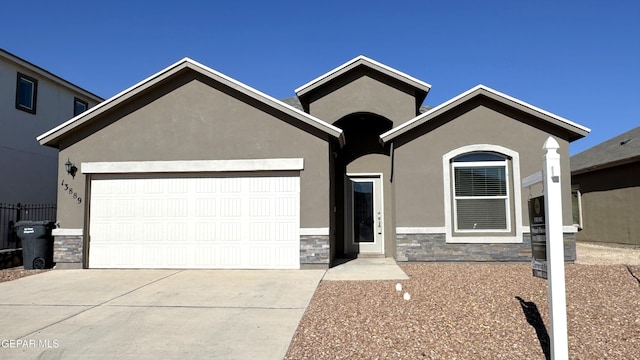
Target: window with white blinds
481, 194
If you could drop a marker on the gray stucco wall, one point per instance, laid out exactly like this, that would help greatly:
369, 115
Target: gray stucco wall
610, 205
193, 118
33, 171
418, 169
364, 94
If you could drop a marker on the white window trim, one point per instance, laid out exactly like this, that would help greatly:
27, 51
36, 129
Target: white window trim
503, 163
580, 223
517, 196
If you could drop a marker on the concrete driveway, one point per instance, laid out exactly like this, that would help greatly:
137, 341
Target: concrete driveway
153, 314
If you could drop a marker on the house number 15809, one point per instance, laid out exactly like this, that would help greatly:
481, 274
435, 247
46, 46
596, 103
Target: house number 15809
69, 189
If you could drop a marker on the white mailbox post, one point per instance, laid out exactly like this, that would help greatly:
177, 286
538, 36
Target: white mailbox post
550, 177
555, 250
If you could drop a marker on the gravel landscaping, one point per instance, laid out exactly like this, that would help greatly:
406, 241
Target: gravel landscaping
472, 311
16, 273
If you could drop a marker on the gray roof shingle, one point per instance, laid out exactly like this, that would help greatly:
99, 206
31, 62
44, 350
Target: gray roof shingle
621, 149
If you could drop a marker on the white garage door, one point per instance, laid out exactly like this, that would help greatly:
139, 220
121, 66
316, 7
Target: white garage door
182, 221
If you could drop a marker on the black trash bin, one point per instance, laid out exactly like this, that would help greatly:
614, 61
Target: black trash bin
37, 243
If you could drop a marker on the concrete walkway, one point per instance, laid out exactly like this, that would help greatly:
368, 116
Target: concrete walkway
366, 269
153, 314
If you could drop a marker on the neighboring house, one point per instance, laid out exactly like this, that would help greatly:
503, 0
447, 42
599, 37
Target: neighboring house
193, 169
32, 100
606, 184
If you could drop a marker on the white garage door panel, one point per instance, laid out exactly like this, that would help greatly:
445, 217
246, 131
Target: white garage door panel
194, 222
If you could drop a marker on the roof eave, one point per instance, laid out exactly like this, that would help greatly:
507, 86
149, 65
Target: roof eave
352, 64
50, 137
49, 75
605, 165
577, 131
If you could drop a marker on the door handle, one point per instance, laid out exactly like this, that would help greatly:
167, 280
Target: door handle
379, 223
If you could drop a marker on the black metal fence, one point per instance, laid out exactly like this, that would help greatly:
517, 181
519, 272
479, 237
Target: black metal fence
12, 213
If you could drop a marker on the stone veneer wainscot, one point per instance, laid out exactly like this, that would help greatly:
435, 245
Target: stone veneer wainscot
433, 247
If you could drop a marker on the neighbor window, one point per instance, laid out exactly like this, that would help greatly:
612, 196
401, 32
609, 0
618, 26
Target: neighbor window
480, 192
79, 106
576, 204
26, 93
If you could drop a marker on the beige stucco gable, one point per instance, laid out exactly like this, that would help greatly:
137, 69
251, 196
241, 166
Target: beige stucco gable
363, 85
481, 94
170, 74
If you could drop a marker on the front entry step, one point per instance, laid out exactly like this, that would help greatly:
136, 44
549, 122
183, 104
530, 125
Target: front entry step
369, 256
365, 269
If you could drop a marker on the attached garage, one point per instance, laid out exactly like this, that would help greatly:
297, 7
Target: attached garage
235, 214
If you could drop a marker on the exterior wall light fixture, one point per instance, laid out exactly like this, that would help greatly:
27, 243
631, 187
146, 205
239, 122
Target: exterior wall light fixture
71, 169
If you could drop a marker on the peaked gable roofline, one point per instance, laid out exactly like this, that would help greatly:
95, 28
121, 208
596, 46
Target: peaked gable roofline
578, 130
49, 75
51, 137
352, 64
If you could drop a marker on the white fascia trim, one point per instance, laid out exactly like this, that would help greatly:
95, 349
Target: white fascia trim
517, 195
404, 127
420, 230
192, 166
418, 120
67, 232
323, 231
534, 108
567, 229
354, 62
211, 73
108, 103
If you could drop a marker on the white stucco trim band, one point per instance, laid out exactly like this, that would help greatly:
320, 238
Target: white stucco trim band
67, 232
294, 164
420, 230
567, 229
484, 240
323, 231
442, 230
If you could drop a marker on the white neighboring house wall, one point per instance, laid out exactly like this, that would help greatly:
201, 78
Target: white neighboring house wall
29, 170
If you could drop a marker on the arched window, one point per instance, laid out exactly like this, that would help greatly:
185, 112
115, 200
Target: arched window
481, 192
482, 197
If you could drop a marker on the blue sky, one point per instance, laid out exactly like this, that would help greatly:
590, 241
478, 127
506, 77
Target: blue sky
577, 59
